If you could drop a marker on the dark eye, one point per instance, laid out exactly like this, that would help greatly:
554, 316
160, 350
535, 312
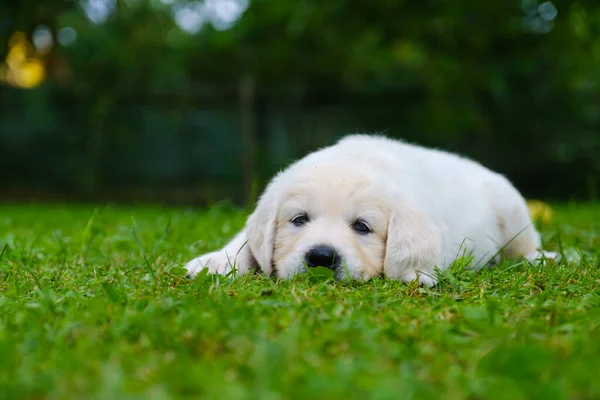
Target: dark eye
300, 219
361, 227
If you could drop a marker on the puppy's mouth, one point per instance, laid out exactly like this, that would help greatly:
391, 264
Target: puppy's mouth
338, 272
322, 261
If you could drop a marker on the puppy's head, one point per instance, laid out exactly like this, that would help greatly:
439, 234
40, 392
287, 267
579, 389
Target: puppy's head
327, 215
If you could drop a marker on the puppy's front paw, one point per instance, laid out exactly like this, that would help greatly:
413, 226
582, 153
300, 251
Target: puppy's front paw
541, 256
217, 263
427, 279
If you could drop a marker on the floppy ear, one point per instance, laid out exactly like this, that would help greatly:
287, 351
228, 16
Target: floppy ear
413, 246
260, 229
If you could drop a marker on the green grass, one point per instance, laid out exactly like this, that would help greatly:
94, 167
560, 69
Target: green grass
93, 306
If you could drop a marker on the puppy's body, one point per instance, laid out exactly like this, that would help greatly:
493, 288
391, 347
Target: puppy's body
369, 205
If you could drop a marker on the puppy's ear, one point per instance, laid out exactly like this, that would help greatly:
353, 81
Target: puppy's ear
413, 247
260, 229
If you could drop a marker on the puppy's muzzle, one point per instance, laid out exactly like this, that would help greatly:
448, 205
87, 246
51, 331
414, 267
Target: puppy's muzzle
323, 256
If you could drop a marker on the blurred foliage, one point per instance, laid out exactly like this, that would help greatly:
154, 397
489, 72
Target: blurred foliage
135, 101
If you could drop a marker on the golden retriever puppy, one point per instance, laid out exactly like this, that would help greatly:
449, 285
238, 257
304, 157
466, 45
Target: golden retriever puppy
370, 205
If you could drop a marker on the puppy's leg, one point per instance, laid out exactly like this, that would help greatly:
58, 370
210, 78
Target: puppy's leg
413, 248
236, 254
516, 227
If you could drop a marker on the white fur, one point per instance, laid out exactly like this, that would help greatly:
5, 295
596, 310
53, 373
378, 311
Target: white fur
425, 207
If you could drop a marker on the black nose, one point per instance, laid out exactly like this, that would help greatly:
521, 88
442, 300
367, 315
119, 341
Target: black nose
323, 256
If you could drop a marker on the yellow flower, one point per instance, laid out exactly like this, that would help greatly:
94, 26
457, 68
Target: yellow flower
20, 69
540, 212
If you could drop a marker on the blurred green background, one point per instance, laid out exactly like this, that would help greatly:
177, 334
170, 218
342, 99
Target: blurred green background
192, 101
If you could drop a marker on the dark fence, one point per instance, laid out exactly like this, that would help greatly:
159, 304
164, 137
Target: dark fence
205, 145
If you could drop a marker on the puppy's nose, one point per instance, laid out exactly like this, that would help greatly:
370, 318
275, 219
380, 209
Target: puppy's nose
322, 256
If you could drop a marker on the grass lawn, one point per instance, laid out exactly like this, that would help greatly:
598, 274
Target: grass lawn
93, 306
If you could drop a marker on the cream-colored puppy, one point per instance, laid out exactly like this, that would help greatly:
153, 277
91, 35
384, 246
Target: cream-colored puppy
369, 205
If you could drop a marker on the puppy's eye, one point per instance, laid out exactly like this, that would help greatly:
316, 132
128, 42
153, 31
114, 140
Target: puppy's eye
300, 220
361, 227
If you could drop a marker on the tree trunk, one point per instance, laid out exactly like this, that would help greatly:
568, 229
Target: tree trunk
247, 98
